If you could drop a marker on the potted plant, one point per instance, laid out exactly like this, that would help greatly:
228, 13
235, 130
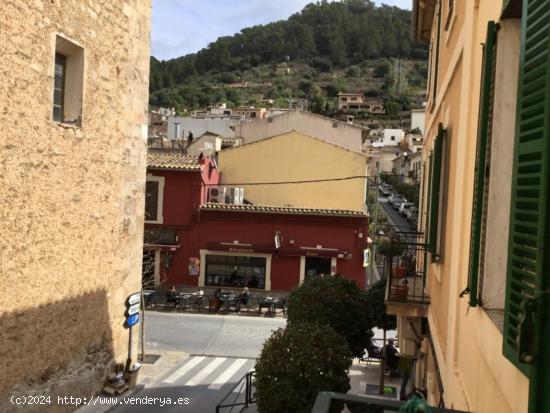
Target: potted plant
398, 272
399, 291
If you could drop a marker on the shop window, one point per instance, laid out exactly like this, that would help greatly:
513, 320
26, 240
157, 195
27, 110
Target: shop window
68, 82
317, 266
235, 271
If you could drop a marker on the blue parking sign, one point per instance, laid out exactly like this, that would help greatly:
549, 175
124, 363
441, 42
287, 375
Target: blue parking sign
132, 320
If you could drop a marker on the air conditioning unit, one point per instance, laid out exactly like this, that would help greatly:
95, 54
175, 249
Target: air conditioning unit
217, 195
238, 196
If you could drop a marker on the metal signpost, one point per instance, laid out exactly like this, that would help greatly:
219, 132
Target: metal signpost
133, 303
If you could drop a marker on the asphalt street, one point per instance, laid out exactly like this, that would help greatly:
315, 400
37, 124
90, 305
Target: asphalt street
207, 334
222, 349
401, 224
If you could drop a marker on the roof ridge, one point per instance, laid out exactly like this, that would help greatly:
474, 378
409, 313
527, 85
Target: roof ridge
282, 209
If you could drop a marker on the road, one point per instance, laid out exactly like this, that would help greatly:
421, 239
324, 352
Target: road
222, 350
401, 223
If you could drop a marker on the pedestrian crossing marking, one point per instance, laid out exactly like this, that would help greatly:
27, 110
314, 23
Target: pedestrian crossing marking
204, 373
227, 374
179, 373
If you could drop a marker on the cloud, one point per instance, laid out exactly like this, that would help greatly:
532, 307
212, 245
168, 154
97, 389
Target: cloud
186, 26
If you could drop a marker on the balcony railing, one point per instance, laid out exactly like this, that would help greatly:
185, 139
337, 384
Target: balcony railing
407, 269
330, 402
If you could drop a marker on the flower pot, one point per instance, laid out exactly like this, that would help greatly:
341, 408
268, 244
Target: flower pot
398, 272
399, 292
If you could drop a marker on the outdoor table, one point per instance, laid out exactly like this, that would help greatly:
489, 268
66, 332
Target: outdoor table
227, 299
183, 297
148, 296
269, 303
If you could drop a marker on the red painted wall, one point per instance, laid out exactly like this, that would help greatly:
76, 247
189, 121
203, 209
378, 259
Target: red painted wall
185, 191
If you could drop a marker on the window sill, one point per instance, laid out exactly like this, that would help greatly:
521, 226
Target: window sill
497, 317
75, 126
153, 222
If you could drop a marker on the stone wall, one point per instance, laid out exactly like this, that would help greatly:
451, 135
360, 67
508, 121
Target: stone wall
71, 204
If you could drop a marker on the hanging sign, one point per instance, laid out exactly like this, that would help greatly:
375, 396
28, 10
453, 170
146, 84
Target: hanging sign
366, 258
132, 309
132, 320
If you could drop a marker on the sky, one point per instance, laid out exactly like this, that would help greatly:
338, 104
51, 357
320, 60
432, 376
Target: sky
186, 26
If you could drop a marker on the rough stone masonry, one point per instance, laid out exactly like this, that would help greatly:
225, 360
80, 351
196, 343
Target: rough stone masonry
71, 196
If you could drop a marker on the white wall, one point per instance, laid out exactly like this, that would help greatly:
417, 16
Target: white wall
417, 120
327, 129
206, 144
392, 137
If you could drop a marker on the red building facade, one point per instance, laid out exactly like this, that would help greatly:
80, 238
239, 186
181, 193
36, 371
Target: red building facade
267, 248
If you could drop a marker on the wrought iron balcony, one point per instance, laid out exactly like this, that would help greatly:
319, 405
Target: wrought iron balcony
330, 402
407, 260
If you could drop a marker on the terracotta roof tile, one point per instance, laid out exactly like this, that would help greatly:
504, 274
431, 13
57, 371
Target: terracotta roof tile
265, 209
176, 161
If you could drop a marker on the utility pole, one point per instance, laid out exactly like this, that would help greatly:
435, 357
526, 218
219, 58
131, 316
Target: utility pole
374, 225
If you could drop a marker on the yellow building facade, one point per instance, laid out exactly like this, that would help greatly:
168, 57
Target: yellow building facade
480, 337
291, 157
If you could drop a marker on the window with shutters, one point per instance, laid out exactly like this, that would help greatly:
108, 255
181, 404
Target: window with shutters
438, 194
482, 166
491, 204
154, 193
526, 337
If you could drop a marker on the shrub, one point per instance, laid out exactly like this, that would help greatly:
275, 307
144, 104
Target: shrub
334, 302
296, 364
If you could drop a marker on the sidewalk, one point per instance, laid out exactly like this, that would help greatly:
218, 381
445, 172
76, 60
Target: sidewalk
148, 374
362, 376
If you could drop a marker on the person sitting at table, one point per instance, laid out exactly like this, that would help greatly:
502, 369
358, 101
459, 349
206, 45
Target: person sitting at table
216, 300
243, 298
171, 296
390, 353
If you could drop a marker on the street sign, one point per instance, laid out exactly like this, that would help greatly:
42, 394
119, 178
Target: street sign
366, 258
134, 298
133, 309
132, 320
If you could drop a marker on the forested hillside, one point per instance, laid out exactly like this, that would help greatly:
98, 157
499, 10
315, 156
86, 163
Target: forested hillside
344, 39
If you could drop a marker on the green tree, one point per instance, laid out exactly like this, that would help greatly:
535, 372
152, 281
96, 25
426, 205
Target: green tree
378, 317
296, 364
335, 302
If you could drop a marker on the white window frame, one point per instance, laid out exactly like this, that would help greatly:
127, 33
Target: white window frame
333, 267
204, 253
160, 199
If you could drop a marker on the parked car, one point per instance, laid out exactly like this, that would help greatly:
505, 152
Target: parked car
397, 202
386, 191
405, 206
412, 211
395, 198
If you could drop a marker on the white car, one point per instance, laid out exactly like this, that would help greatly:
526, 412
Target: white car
394, 199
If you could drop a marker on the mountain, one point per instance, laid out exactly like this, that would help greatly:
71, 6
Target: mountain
313, 54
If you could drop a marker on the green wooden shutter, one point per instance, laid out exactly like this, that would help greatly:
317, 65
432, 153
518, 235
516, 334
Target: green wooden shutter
435, 193
483, 140
526, 337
